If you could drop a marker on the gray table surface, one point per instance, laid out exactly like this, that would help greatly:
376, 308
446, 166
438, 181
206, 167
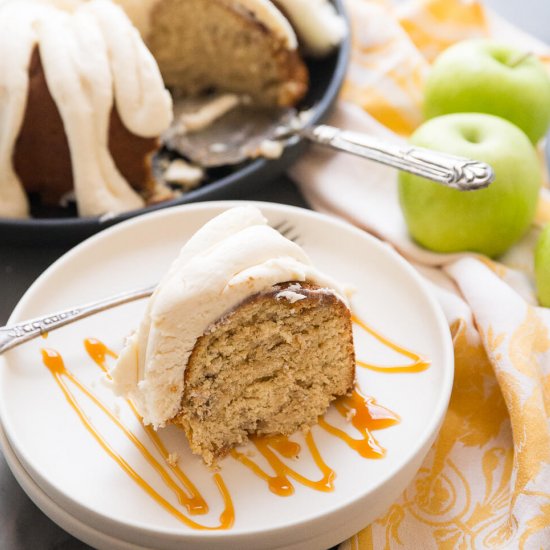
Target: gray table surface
22, 525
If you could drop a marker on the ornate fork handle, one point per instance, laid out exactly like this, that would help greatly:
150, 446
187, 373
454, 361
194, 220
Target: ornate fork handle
13, 335
456, 172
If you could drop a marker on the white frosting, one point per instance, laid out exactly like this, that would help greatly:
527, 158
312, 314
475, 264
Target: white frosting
92, 57
290, 295
319, 27
232, 257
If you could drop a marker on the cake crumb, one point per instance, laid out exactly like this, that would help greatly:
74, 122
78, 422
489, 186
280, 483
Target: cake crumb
351, 413
180, 172
270, 149
173, 459
208, 113
218, 148
160, 193
67, 199
106, 217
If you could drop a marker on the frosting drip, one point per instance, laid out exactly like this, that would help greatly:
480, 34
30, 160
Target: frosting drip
17, 39
232, 257
319, 27
92, 58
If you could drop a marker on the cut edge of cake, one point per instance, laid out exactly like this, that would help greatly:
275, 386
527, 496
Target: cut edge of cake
271, 366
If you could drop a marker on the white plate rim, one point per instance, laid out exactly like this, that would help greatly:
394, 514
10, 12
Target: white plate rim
60, 516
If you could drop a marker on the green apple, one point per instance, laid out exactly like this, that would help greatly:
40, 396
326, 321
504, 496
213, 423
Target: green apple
542, 267
488, 220
484, 76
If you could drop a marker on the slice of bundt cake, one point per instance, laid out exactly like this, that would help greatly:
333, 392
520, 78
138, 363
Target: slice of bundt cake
239, 46
243, 336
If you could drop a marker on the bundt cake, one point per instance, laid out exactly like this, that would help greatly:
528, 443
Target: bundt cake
240, 46
243, 336
82, 94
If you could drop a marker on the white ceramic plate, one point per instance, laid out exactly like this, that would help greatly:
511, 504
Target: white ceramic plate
61, 516
69, 466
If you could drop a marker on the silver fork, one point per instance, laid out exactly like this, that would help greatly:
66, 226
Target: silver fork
12, 336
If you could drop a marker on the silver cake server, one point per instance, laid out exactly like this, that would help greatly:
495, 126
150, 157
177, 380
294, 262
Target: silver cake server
244, 133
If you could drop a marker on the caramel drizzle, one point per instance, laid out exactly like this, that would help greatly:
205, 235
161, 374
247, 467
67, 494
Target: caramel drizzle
366, 416
280, 483
418, 364
193, 501
54, 362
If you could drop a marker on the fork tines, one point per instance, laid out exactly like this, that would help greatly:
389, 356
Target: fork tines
287, 230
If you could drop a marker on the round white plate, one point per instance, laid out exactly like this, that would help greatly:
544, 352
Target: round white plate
70, 467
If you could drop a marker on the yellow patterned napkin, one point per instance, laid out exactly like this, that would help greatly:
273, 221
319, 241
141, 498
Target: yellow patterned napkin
486, 481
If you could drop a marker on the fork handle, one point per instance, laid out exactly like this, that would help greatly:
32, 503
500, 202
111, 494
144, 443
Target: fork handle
13, 335
456, 172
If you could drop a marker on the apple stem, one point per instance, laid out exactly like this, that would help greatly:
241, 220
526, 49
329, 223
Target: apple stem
520, 59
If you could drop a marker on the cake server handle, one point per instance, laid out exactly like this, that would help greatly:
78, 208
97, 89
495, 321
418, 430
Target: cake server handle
13, 335
456, 172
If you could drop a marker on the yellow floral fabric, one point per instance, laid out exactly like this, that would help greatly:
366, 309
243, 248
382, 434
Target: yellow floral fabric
486, 481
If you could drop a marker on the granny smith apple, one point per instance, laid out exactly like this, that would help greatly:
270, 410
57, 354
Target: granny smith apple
488, 220
484, 76
542, 267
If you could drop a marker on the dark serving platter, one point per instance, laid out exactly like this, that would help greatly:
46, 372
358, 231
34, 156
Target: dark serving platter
64, 227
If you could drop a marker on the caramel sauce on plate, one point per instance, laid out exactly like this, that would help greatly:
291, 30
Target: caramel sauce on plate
193, 501
54, 362
282, 445
363, 413
418, 363
366, 416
